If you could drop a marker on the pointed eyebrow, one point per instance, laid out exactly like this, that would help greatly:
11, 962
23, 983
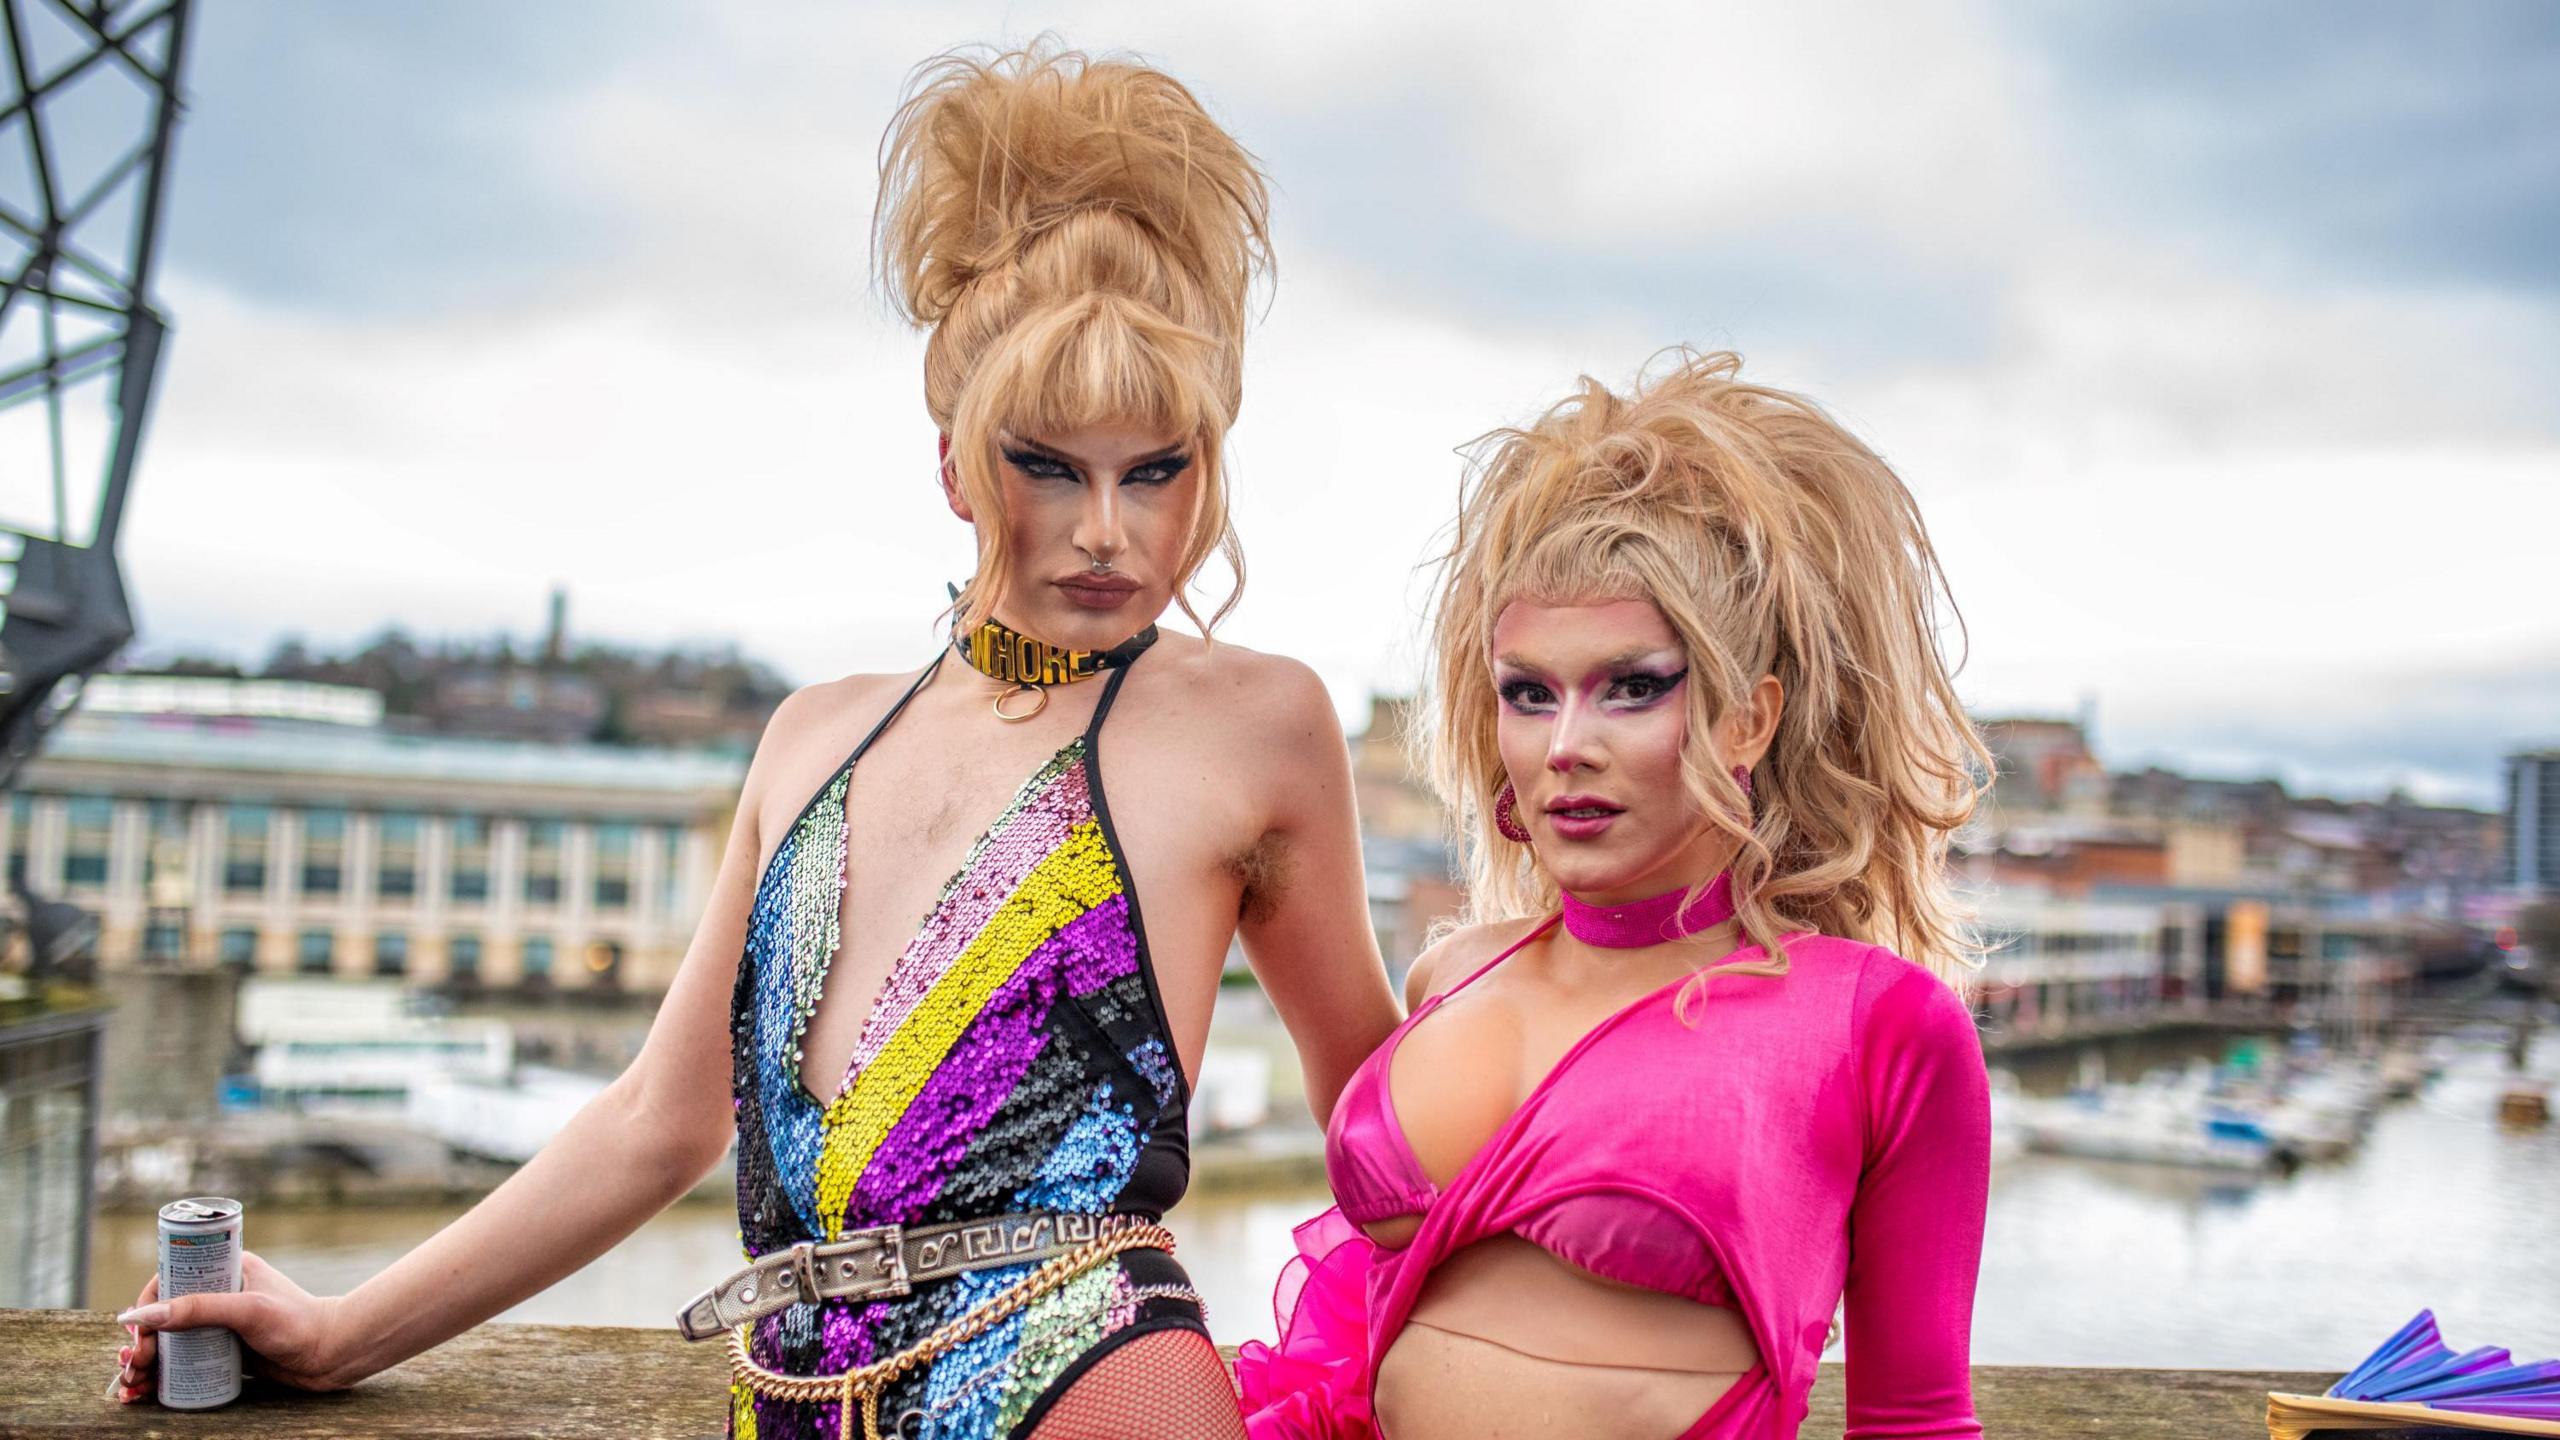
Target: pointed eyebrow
1620, 661
1054, 453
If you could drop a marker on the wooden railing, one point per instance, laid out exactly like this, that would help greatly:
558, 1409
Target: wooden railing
603, 1383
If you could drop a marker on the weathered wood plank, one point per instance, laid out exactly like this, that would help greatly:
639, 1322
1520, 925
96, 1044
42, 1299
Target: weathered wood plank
559, 1382
600, 1383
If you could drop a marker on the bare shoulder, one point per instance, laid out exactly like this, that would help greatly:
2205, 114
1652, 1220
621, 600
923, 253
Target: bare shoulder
1267, 699
1460, 953
820, 712
816, 724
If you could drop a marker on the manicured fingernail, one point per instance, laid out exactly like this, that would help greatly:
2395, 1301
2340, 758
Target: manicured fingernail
144, 1317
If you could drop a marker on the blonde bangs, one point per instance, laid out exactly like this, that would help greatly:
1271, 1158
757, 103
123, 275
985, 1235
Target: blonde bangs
1101, 359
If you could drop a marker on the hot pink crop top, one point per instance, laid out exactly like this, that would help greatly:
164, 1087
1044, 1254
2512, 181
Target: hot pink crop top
1585, 1209
1810, 1137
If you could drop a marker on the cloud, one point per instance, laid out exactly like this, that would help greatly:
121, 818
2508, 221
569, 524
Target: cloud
370, 160
2392, 143
2210, 362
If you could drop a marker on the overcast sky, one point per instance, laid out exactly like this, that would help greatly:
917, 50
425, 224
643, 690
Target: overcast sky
2221, 344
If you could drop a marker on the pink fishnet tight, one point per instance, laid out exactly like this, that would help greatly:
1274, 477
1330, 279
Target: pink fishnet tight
1166, 1385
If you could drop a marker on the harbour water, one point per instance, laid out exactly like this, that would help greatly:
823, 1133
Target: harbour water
2084, 1263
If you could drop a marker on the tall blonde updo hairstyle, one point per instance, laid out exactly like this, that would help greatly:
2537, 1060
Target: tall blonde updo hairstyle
1774, 543
1080, 238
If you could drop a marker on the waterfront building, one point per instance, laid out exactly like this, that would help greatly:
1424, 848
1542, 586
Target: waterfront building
2043, 764
282, 828
2054, 963
2257, 894
2533, 823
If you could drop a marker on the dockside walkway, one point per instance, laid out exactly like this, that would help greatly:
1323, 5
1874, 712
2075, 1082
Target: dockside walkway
602, 1383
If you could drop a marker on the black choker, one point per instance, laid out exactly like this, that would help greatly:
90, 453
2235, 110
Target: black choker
1009, 657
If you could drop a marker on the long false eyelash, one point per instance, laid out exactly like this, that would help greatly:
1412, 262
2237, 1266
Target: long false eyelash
1030, 461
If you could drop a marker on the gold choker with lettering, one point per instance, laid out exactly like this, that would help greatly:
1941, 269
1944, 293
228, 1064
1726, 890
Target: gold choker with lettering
1009, 657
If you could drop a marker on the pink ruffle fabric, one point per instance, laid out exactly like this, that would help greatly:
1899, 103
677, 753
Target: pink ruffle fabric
1314, 1385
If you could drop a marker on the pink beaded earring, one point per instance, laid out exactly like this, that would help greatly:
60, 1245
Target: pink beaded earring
1742, 777
1506, 816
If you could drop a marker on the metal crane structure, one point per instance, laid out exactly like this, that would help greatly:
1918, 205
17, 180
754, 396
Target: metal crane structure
88, 101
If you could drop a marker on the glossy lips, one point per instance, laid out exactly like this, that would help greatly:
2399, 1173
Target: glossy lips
1581, 817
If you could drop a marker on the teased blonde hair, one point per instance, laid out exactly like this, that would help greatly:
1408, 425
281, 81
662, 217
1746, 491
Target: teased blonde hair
1774, 544
1080, 237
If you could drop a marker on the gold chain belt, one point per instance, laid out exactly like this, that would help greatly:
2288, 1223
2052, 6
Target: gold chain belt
862, 1385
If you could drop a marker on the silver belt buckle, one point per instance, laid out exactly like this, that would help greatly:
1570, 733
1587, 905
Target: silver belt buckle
800, 1282
868, 1264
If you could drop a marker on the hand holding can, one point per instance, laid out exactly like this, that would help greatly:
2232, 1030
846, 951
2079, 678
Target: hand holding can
284, 1333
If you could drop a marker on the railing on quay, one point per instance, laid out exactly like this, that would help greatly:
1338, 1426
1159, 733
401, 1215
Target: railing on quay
593, 1382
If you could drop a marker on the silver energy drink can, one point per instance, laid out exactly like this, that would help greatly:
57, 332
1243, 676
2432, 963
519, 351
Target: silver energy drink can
199, 1254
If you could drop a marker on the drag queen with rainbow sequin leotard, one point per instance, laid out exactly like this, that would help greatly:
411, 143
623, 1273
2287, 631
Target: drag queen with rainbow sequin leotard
957, 965
954, 1014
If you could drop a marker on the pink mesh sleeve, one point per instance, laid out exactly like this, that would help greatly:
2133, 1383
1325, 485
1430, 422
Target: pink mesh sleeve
1915, 1226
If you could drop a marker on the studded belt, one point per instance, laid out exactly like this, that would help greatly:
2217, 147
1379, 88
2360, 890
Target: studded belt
884, 1261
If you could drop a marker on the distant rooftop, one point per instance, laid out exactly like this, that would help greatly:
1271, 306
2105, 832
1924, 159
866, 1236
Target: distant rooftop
265, 745
216, 695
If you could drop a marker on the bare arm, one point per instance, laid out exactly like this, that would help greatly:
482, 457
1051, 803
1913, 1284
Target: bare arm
625, 1156
628, 1154
1305, 924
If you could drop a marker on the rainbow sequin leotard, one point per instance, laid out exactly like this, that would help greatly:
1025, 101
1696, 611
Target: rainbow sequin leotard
1017, 1058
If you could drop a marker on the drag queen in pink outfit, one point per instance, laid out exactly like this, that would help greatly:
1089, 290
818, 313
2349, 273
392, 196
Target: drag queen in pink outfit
1697, 1069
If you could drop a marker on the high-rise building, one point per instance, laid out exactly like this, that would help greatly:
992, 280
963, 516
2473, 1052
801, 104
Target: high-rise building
2533, 821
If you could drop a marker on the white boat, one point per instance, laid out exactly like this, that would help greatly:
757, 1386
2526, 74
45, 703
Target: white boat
2151, 1123
2404, 1071
2320, 1117
505, 1119
2321, 1109
347, 1046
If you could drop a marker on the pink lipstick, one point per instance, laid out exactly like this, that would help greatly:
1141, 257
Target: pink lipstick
1582, 817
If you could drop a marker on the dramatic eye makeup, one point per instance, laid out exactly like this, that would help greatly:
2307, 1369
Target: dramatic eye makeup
1159, 471
1643, 687
1625, 687
1043, 464
1040, 465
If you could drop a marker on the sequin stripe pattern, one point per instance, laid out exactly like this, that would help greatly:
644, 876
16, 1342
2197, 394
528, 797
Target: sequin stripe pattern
1012, 1061
982, 1387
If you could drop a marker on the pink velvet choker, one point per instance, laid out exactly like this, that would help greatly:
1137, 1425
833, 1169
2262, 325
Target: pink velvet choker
1639, 923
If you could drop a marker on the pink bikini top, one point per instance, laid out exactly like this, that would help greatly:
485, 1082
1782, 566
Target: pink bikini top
1602, 1192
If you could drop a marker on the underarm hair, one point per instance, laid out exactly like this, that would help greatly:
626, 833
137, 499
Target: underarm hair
1263, 869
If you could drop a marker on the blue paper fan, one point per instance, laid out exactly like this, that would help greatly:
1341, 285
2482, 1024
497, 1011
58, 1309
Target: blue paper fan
2416, 1367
